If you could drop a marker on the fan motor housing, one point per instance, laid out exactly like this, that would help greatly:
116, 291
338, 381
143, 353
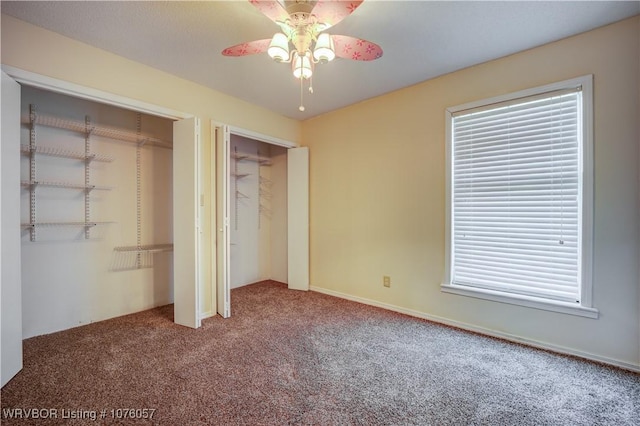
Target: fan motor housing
302, 37
299, 6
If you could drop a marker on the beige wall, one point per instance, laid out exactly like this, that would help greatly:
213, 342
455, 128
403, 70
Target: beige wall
34, 49
378, 189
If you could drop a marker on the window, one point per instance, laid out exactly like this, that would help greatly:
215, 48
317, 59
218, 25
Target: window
519, 198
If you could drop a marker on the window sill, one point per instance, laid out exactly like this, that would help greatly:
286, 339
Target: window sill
521, 300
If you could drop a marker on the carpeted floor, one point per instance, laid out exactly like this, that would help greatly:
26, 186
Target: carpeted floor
288, 357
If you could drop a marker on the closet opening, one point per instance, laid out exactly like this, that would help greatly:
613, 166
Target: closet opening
262, 212
96, 211
258, 212
99, 209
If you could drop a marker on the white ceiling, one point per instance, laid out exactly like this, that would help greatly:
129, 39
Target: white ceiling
420, 39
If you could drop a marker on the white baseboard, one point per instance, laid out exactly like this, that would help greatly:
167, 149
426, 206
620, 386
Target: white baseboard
476, 329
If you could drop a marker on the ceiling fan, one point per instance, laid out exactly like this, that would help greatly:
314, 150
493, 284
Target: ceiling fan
302, 41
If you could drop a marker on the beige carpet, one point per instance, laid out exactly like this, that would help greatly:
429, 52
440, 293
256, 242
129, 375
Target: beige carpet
288, 357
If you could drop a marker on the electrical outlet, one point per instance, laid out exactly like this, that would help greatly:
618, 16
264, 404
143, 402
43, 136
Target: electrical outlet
386, 281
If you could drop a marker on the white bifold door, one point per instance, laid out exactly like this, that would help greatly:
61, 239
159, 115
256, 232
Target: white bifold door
298, 218
223, 242
186, 222
297, 214
10, 267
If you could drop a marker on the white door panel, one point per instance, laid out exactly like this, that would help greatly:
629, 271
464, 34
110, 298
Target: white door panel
186, 233
298, 218
223, 287
10, 272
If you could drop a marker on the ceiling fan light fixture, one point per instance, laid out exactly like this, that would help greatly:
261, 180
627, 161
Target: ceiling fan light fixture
301, 40
324, 50
279, 48
302, 66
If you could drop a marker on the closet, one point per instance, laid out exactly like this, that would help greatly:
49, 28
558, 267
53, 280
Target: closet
96, 211
258, 228
101, 210
262, 212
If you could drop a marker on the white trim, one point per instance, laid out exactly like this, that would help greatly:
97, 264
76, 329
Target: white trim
448, 205
566, 84
213, 219
521, 300
586, 309
60, 86
588, 205
261, 137
481, 330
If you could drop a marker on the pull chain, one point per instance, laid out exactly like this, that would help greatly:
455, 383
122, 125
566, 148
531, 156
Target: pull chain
301, 108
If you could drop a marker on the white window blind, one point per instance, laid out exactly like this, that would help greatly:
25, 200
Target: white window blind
515, 193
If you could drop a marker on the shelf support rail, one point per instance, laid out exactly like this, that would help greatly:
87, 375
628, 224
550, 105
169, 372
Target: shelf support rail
87, 175
237, 158
32, 170
264, 188
139, 191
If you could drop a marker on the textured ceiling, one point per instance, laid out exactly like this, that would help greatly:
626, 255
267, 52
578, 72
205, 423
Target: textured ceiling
421, 40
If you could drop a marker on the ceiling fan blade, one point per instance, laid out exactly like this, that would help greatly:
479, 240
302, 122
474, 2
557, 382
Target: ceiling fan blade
272, 10
247, 48
330, 12
355, 48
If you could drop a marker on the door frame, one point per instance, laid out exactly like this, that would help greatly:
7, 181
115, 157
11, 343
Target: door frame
221, 139
82, 92
51, 84
259, 136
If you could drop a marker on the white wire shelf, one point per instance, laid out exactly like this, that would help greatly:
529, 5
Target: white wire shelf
57, 152
131, 258
151, 248
54, 224
32, 183
263, 161
108, 132
240, 175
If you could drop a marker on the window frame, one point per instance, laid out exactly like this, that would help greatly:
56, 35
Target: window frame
586, 169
